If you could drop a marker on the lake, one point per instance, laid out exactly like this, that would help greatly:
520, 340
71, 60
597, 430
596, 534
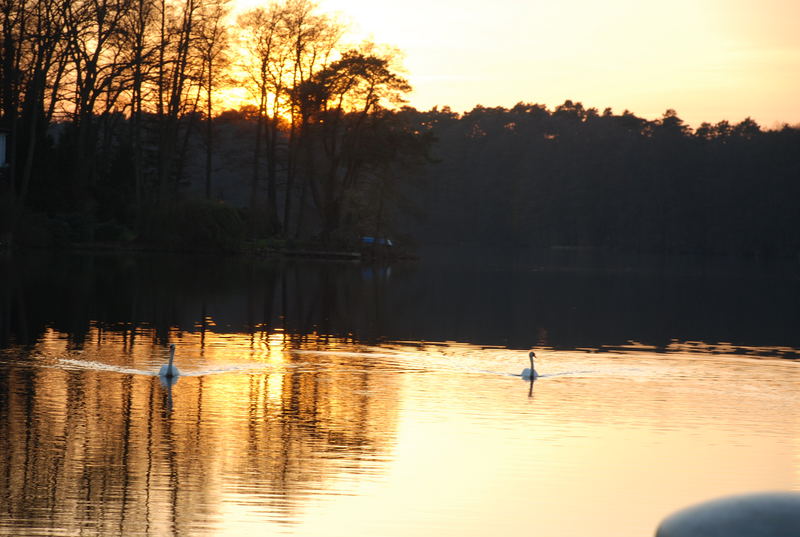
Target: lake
338, 399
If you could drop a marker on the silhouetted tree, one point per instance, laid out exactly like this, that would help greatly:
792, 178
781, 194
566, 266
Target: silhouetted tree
339, 107
32, 65
212, 45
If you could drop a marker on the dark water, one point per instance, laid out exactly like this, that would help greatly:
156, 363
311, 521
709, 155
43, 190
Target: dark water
339, 399
564, 301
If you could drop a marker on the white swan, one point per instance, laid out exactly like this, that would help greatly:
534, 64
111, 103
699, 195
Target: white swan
169, 371
530, 374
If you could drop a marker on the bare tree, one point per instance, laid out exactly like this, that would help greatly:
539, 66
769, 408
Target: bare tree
212, 45
31, 64
265, 36
315, 40
177, 69
94, 37
140, 33
287, 42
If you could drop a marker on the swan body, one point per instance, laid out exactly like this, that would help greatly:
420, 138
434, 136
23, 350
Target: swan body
530, 373
168, 370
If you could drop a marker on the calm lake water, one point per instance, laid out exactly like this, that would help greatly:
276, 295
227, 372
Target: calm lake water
334, 399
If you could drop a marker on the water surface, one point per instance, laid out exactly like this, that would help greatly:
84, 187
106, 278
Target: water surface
307, 406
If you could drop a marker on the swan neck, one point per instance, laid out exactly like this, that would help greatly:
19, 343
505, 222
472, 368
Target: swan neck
171, 357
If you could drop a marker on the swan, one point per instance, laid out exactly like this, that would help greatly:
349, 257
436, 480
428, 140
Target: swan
530, 373
169, 371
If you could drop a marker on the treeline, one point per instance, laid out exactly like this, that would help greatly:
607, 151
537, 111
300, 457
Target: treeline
580, 178
110, 105
113, 111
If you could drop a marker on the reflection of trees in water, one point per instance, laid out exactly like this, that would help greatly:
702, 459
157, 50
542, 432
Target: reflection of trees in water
75, 293
98, 450
559, 299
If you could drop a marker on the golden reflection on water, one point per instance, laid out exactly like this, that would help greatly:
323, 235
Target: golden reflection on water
90, 447
315, 435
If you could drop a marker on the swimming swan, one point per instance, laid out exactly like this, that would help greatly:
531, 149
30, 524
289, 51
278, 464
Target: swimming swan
168, 370
530, 374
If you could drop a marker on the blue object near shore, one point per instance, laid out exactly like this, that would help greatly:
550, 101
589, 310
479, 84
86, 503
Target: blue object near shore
379, 241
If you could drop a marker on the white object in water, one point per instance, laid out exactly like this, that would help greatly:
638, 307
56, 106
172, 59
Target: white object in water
168, 370
530, 374
764, 514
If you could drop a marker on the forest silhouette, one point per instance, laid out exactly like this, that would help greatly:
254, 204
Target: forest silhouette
574, 177
116, 132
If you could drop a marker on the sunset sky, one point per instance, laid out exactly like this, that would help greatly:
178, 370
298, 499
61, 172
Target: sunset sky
708, 59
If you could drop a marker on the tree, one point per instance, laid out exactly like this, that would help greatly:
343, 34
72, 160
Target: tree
212, 45
266, 37
94, 37
140, 32
288, 43
32, 63
338, 107
177, 69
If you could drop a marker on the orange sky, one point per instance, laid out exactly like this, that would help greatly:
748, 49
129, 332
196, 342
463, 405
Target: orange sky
708, 59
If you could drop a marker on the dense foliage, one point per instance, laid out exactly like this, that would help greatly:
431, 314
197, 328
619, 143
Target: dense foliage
574, 177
